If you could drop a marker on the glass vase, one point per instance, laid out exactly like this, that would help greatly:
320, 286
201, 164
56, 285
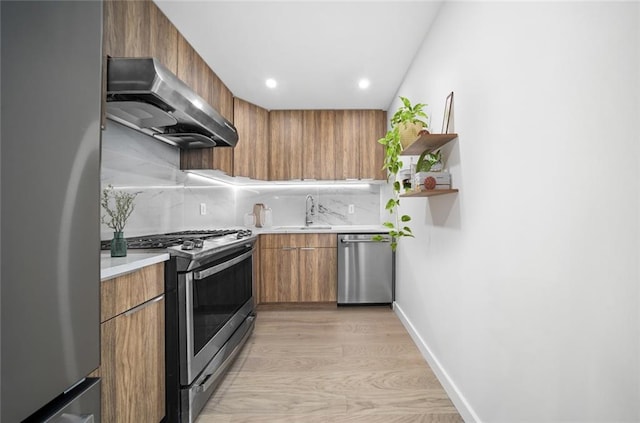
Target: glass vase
118, 245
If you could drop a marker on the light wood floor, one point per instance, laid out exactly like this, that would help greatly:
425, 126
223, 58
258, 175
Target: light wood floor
350, 364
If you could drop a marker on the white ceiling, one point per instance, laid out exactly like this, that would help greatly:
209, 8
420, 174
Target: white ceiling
316, 50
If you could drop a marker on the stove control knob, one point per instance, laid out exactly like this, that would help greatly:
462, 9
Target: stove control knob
187, 245
198, 243
243, 232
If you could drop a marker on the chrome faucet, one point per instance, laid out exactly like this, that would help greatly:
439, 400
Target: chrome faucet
309, 210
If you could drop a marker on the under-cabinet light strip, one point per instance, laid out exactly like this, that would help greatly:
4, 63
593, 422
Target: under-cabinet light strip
279, 185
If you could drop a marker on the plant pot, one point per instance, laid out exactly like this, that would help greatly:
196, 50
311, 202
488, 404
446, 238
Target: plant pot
409, 133
118, 245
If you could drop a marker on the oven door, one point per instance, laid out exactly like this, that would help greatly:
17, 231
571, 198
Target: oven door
214, 301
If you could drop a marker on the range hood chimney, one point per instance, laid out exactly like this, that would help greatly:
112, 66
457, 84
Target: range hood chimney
146, 96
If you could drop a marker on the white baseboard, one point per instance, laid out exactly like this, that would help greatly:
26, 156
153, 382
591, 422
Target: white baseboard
452, 390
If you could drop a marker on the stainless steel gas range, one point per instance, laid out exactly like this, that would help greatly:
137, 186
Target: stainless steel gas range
210, 310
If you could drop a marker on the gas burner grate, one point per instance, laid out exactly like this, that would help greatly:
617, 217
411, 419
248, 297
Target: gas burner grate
203, 233
161, 241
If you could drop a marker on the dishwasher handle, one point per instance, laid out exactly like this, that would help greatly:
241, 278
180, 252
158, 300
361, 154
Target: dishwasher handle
367, 240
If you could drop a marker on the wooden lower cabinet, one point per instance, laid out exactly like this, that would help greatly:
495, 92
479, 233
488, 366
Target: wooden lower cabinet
279, 278
298, 268
132, 365
318, 274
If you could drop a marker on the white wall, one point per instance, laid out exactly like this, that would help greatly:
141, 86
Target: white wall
522, 290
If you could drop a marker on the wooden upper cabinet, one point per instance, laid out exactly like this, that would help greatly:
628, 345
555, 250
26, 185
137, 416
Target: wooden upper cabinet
359, 155
373, 126
318, 151
192, 70
347, 145
195, 72
330, 144
222, 101
139, 29
285, 144
221, 97
251, 154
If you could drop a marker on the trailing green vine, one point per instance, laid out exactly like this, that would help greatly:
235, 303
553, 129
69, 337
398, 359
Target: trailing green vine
407, 113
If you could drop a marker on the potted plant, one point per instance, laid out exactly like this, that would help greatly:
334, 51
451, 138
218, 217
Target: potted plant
409, 121
118, 206
429, 162
405, 116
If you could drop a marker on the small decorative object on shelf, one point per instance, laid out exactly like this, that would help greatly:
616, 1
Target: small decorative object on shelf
430, 182
430, 162
448, 107
118, 205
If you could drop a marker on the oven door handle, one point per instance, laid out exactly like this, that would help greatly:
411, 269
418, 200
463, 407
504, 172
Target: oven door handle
201, 274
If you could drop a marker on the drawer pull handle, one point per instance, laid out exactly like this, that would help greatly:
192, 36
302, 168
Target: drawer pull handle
143, 305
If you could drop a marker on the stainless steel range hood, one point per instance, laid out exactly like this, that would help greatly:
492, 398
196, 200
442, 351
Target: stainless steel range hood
146, 96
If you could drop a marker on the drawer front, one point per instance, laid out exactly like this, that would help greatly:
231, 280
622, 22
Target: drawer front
298, 240
128, 291
320, 240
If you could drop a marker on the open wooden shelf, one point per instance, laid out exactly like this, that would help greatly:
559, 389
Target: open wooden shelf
427, 142
429, 193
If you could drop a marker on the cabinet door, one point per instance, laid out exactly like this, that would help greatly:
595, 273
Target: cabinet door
318, 137
285, 145
279, 275
132, 365
139, 29
195, 72
347, 145
124, 292
250, 156
222, 100
318, 274
373, 126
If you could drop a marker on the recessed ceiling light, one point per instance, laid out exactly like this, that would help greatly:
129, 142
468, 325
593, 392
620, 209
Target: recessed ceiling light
364, 83
271, 83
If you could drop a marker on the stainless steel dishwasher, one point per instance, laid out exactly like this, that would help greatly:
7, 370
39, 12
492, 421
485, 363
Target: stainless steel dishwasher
365, 269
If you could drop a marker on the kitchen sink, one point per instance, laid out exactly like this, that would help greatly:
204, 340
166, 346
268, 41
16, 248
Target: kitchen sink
303, 228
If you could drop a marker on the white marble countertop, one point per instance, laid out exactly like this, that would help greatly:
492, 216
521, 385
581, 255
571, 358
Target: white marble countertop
321, 228
110, 267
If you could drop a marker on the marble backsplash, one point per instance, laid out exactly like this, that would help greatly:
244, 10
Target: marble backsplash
169, 199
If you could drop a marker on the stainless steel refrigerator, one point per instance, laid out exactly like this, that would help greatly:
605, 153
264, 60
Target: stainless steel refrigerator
50, 73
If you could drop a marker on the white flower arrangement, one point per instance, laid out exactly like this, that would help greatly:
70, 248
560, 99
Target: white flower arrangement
119, 205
